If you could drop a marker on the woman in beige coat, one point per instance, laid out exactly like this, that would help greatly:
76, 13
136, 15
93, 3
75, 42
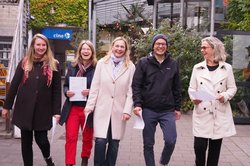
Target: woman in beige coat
212, 120
110, 98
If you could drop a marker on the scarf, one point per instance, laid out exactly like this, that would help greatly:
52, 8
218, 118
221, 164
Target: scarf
83, 68
117, 64
46, 70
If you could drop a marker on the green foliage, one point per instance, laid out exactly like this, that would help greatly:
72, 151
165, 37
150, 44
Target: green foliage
52, 12
183, 46
238, 15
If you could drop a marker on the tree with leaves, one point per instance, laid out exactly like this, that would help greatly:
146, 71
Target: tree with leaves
52, 12
238, 15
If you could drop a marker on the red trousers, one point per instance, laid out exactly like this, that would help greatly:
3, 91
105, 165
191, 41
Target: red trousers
75, 120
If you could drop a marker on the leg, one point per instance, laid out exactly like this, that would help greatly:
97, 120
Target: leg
214, 148
200, 148
100, 150
150, 120
168, 127
72, 128
87, 140
42, 141
26, 145
112, 152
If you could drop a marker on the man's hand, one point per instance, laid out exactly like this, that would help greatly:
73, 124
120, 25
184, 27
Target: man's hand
177, 115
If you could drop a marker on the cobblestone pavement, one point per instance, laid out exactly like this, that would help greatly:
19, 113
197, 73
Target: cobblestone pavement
235, 150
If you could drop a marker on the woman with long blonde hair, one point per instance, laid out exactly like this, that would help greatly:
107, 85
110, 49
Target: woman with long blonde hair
37, 88
110, 99
73, 111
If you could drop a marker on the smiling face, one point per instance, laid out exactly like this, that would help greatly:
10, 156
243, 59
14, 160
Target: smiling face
160, 47
86, 52
207, 51
119, 48
40, 48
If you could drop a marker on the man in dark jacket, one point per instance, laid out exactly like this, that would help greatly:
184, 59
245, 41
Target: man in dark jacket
156, 92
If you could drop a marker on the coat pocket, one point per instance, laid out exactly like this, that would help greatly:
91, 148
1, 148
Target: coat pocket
203, 107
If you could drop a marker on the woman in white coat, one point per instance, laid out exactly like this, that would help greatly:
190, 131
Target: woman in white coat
212, 120
110, 98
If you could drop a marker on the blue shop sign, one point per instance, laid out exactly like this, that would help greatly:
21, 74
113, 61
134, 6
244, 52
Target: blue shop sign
59, 34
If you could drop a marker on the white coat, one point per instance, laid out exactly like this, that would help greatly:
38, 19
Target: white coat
212, 119
110, 97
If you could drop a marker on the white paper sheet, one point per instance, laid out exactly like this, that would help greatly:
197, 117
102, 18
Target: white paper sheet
76, 85
53, 130
139, 123
202, 95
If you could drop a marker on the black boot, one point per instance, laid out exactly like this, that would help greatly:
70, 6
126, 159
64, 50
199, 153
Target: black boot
84, 161
49, 161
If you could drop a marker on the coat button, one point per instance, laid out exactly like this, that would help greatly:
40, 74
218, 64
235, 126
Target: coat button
221, 83
204, 108
37, 77
218, 91
36, 91
201, 83
112, 97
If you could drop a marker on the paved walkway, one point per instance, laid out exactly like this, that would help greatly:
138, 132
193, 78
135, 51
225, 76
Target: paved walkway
235, 150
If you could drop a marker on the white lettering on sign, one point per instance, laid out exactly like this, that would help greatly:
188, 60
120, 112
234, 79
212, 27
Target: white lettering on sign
58, 36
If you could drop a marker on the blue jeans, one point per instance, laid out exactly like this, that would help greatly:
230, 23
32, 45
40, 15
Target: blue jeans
168, 127
100, 150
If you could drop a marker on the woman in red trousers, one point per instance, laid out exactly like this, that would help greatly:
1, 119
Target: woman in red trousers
73, 111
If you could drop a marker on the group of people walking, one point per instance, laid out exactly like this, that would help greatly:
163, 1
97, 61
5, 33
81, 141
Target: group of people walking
116, 88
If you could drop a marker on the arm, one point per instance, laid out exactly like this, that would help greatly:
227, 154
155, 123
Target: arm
94, 89
15, 83
56, 92
129, 101
193, 87
137, 85
231, 87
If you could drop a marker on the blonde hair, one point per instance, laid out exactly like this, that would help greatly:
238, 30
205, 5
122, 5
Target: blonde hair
78, 58
48, 56
127, 51
218, 47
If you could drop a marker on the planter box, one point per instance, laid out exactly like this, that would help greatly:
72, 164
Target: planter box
241, 120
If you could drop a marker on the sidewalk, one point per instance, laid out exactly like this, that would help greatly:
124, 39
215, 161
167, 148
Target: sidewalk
235, 150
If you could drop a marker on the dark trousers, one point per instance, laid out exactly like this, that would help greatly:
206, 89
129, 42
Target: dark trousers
100, 159
168, 127
26, 143
200, 148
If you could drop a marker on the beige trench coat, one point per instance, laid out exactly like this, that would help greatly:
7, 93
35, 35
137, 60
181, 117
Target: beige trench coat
213, 119
110, 97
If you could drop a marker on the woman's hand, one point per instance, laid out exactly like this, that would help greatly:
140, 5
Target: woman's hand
5, 113
220, 98
125, 117
197, 101
57, 118
70, 93
137, 111
85, 92
87, 111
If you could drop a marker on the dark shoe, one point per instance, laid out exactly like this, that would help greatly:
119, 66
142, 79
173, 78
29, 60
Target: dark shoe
69, 164
84, 161
49, 161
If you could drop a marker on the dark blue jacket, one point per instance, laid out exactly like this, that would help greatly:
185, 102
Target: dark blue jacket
157, 86
72, 71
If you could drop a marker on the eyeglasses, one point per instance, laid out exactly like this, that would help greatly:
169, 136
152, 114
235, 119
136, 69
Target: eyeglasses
160, 44
204, 47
